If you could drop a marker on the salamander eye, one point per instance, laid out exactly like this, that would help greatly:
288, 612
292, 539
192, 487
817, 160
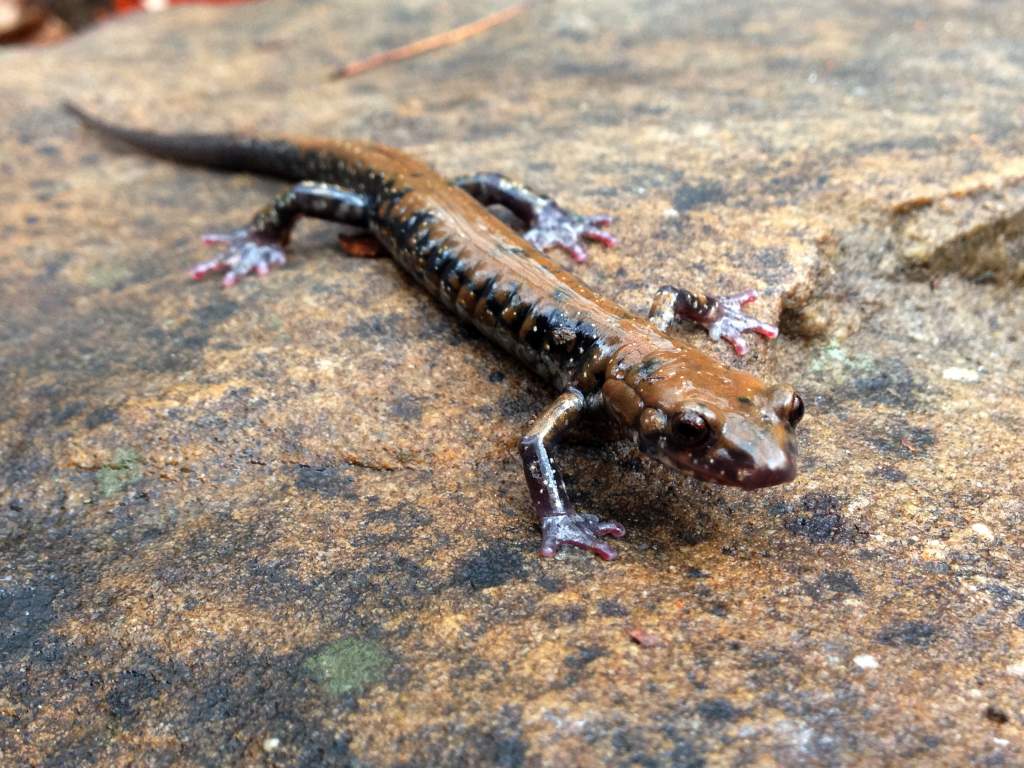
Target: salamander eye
689, 429
795, 412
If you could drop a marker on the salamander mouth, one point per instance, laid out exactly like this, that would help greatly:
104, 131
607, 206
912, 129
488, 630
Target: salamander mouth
745, 475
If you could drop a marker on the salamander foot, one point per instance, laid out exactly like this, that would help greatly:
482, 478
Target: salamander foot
722, 316
581, 531
555, 226
245, 252
728, 321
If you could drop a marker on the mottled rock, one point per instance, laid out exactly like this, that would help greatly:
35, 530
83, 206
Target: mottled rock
291, 514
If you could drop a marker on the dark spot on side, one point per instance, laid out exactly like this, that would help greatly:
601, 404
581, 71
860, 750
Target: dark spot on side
717, 710
914, 633
102, 415
691, 196
648, 367
745, 400
496, 377
491, 567
538, 331
327, 481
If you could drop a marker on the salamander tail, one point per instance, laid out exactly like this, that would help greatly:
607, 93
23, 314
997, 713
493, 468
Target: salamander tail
226, 151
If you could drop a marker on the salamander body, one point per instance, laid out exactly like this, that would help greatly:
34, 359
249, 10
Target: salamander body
680, 406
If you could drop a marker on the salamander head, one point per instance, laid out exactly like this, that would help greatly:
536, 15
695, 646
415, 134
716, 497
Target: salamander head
713, 422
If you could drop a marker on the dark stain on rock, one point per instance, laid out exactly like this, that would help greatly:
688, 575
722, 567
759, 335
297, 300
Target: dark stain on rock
378, 327
833, 584
584, 655
26, 612
215, 313
842, 582
717, 710
142, 681
897, 437
816, 516
691, 196
568, 614
1004, 597
329, 482
64, 414
901, 633
890, 382
892, 474
491, 567
499, 743
550, 583
105, 414
515, 407
407, 408
611, 608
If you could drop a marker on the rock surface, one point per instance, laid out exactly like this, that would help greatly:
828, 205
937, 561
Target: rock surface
285, 524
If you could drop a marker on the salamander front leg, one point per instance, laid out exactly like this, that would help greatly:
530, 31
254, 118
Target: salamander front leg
560, 524
722, 316
549, 224
258, 246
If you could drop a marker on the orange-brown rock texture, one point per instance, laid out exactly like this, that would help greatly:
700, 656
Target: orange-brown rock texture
285, 524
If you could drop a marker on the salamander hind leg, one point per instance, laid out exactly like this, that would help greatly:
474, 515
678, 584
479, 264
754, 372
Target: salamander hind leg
259, 246
722, 316
560, 524
548, 223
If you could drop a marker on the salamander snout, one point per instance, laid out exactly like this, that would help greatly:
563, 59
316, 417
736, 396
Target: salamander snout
756, 453
752, 445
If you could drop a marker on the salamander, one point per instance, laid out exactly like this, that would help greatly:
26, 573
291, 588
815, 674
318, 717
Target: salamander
680, 406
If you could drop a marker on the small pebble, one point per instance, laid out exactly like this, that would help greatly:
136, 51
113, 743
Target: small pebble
964, 375
1016, 669
866, 661
271, 743
643, 638
983, 531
